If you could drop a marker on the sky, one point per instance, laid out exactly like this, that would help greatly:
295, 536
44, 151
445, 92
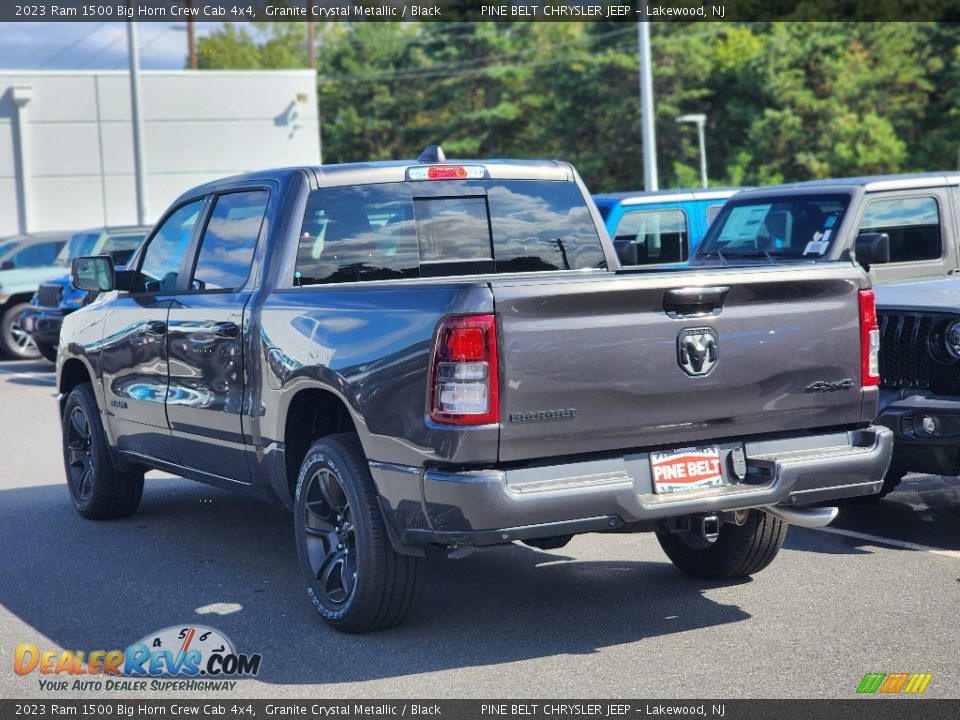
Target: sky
99, 46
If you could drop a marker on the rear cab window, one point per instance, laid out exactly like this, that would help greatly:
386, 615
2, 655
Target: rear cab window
410, 229
798, 228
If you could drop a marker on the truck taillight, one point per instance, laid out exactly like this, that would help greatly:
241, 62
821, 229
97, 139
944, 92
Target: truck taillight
869, 340
463, 372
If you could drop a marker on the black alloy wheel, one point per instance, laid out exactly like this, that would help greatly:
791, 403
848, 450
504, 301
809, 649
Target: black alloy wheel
331, 539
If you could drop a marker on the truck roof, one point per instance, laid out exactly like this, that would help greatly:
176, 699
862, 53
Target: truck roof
363, 173
867, 183
641, 197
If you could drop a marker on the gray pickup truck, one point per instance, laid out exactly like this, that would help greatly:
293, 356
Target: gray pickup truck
898, 226
430, 357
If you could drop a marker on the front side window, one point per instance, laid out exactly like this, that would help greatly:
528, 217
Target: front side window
913, 224
226, 250
160, 264
661, 236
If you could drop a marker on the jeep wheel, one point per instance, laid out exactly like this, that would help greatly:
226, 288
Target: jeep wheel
14, 340
739, 550
354, 578
49, 352
99, 491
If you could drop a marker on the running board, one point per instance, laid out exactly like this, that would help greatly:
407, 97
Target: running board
803, 517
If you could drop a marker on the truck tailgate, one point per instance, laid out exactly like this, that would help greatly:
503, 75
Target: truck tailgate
595, 364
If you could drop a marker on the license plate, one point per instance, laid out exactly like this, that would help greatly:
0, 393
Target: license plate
686, 469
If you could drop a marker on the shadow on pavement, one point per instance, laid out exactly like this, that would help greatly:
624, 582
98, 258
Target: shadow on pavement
14, 365
103, 585
47, 381
924, 510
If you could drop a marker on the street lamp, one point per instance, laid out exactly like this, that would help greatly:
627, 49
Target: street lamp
699, 119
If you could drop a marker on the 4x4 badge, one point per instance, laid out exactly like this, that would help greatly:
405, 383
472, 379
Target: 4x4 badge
698, 350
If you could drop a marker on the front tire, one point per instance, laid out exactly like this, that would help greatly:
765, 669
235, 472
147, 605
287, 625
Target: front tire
99, 491
739, 550
355, 579
14, 340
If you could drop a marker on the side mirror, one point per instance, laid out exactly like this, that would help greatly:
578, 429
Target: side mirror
7, 265
626, 252
872, 249
94, 274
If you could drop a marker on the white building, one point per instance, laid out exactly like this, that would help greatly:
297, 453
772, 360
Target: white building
66, 139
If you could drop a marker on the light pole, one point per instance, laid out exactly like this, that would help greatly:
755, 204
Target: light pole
136, 120
650, 181
699, 119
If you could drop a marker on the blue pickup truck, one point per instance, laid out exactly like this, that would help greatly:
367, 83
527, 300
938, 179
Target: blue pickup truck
664, 226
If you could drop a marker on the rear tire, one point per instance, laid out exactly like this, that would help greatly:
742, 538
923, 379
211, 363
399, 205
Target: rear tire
355, 579
99, 491
49, 352
739, 551
14, 340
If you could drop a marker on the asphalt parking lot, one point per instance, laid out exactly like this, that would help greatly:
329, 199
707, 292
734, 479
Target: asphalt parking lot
607, 616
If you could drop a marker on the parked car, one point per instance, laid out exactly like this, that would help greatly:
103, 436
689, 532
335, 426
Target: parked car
433, 356
57, 298
900, 226
663, 227
30, 251
24, 261
920, 376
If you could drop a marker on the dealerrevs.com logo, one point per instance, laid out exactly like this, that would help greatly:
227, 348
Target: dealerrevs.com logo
201, 658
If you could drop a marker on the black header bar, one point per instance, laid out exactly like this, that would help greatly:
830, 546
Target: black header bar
478, 10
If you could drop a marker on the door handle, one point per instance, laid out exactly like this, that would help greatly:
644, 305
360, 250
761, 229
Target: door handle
681, 302
157, 327
226, 329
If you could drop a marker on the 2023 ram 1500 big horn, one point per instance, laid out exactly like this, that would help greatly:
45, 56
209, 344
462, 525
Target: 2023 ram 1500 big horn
430, 356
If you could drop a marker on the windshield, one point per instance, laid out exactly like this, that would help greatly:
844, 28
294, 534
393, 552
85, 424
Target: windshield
80, 244
793, 228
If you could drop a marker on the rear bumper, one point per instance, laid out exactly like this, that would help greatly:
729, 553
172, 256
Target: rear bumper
485, 507
921, 449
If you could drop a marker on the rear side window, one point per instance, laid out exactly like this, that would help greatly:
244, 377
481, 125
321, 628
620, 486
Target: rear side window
913, 224
712, 213
226, 250
36, 255
661, 236
377, 232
